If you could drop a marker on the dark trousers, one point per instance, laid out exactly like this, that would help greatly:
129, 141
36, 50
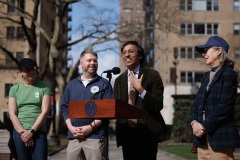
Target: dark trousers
37, 152
137, 146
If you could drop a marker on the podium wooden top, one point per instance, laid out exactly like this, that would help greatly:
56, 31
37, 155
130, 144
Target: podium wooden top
104, 108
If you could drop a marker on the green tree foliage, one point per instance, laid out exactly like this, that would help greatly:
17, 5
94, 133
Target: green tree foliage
181, 130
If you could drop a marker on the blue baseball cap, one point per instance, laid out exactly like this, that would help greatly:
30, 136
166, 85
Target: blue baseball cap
213, 41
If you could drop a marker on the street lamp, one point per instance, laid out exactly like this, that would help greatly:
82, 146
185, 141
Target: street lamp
175, 63
54, 136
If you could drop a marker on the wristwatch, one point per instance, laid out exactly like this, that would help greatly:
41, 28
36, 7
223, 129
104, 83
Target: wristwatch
32, 131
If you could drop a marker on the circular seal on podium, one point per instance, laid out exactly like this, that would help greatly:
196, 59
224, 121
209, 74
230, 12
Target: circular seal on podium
91, 108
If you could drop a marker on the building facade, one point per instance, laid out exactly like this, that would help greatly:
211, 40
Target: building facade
15, 42
173, 28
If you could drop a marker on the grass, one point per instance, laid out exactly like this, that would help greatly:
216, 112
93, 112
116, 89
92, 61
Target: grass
183, 151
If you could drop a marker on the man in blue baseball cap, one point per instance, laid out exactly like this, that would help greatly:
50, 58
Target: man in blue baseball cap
212, 113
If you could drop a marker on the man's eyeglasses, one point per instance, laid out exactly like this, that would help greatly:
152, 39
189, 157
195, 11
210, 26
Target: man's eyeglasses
130, 51
29, 69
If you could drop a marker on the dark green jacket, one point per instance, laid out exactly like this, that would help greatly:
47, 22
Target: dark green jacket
218, 103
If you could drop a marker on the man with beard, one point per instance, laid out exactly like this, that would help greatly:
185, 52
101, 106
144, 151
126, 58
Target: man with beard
86, 136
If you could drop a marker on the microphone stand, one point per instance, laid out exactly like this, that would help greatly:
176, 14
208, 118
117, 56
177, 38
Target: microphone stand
109, 76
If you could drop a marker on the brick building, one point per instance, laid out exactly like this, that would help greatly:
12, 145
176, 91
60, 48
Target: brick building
15, 41
171, 29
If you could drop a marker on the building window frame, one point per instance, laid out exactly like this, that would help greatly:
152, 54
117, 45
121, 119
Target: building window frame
236, 28
11, 7
199, 5
236, 5
7, 88
187, 53
199, 28
19, 55
191, 77
237, 53
9, 61
10, 32
20, 33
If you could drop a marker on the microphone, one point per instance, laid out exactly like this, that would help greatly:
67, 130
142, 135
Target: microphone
115, 70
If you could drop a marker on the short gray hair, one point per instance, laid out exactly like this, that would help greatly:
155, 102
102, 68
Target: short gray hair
224, 58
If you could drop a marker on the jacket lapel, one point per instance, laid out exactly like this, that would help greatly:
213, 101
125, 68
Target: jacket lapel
124, 85
144, 72
216, 77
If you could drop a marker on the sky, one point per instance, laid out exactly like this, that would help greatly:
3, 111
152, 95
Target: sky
109, 10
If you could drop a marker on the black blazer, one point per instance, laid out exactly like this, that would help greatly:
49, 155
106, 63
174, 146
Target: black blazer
153, 123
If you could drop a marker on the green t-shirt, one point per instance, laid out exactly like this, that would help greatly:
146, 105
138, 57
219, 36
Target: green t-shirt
29, 102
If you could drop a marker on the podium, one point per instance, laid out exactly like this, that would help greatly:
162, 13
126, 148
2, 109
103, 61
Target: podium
104, 109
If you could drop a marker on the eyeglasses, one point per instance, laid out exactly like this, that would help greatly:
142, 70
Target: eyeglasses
130, 51
29, 69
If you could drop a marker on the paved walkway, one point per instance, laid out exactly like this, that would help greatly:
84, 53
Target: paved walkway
116, 154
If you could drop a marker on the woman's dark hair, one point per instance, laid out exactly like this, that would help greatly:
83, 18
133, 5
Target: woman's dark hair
140, 50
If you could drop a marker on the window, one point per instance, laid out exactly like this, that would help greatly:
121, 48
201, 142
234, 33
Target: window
19, 55
189, 29
10, 33
186, 5
199, 28
11, 6
20, 33
151, 18
237, 53
186, 52
21, 4
126, 7
191, 77
214, 4
186, 77
9, 61
212, 29
199, 5
236, 29
236, 5
7, 88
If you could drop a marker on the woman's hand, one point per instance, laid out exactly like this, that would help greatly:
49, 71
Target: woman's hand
26, 135
29, 143
198, 129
